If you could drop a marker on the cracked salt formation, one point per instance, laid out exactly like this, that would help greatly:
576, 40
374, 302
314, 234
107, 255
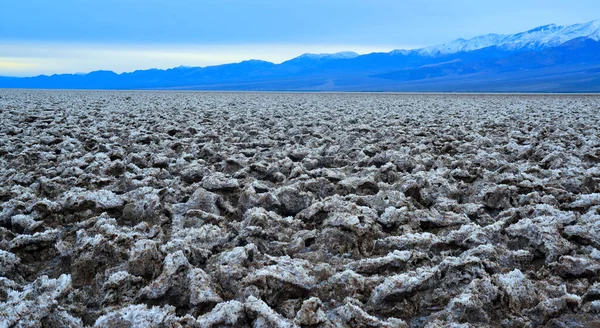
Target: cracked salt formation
154, 209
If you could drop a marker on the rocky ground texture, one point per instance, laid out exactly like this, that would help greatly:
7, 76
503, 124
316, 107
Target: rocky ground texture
145, 209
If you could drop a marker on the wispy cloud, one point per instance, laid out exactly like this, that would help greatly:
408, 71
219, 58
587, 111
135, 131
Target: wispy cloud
29, 58
15, 65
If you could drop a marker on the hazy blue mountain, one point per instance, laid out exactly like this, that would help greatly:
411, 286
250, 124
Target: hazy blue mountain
549, 58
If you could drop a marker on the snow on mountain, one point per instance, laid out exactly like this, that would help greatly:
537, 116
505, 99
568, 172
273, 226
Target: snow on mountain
537, 38
337, 55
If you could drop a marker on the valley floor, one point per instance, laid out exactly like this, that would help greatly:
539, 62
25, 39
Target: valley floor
123, 209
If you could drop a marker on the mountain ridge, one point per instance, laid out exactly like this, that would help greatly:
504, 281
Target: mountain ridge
537, 38
565, 55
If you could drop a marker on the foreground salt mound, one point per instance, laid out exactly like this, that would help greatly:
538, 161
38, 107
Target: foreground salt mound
298, 210
37, 302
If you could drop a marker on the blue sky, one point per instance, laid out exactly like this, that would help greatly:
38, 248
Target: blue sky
44, 37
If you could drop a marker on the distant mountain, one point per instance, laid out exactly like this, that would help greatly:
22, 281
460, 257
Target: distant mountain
548, 58
337, 55
538, 38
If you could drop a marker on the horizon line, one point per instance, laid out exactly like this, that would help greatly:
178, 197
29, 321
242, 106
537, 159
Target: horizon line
196, 53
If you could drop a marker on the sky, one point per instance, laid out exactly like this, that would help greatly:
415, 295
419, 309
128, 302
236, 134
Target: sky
77, 36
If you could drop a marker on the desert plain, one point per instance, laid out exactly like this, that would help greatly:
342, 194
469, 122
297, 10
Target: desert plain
188, 209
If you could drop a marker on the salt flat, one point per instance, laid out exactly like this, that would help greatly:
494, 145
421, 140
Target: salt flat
278, 209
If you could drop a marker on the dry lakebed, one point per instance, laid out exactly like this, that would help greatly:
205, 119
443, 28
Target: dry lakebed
185, 209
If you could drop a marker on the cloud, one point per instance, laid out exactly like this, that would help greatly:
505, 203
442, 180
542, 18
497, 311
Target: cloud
29, 58
13, 64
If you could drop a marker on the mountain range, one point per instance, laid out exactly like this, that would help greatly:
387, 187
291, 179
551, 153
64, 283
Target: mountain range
548, 58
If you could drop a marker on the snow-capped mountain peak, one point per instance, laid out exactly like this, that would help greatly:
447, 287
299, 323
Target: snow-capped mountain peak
337, 55
544, 28
541, 37
537, 38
